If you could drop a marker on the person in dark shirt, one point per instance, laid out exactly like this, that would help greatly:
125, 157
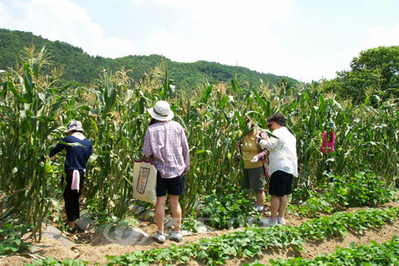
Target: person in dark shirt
78, 150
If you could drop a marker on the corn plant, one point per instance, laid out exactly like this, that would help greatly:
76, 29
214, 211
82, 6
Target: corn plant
35, 109
28, 102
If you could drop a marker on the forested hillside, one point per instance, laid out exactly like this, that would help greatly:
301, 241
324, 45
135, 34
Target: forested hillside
79, 66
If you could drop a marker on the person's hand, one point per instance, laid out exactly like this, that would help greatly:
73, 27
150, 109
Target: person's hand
255, 159
263, 135
258, 138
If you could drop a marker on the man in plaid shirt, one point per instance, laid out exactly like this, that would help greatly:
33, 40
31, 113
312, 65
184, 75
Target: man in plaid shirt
166, 144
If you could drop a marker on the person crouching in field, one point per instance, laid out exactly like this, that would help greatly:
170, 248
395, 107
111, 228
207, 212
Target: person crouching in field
283, 166
166, 144
78, 150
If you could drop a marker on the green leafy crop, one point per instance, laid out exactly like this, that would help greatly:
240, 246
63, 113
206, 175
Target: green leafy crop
11, 239
361, 189
229, 211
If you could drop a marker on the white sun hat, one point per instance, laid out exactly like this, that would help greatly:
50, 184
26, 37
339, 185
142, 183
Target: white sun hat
161, 111
74, 125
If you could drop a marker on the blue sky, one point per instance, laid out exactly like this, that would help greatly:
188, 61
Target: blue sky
304, 39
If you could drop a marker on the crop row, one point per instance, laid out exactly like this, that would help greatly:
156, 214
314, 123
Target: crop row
255, 241
386, 253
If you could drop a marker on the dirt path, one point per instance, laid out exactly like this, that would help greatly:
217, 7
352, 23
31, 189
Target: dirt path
94, 247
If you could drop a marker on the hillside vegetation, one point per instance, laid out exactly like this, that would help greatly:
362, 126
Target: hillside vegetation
81, 67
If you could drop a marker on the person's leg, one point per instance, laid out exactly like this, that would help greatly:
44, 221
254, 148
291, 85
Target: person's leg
176, 211
245, 183
73, 196
69, 205
160, 213
70, 200
274, 206
282, 207
74, 208
288, 180
176, 189
275, 191
161, 188
260, 198
257, 181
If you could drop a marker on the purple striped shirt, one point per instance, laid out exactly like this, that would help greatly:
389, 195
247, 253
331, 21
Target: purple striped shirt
167, 144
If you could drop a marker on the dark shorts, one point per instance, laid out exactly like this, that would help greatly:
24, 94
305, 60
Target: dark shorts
281, 183
174, 186
255, 179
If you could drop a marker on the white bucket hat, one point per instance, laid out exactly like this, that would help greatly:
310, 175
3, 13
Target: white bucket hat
161, 111
74, 125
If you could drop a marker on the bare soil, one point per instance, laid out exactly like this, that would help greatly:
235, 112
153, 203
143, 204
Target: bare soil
93, 247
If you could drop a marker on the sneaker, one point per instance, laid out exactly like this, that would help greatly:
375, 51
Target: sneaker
269, 222
159, 238
280, 220
175, 236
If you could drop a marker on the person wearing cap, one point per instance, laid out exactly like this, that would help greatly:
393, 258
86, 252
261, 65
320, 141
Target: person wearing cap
165, 143
283, 167
327, 146
78, 150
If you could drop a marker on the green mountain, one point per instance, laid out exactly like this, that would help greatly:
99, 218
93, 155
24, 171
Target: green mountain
83, 68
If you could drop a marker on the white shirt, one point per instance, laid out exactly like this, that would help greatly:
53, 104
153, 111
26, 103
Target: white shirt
282, 151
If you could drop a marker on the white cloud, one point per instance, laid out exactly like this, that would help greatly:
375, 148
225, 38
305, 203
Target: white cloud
113, 47
380, 36
232, 32
64, 21
6, 19
174, 47
136, 2
377, 36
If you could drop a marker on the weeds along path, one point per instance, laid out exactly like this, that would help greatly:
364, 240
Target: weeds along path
95, 251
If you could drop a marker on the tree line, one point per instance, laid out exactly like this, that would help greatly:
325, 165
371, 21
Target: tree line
78, 66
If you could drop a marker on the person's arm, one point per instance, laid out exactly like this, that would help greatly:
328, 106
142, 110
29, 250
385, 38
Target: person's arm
332, 136
186, 151
91, 151
147, 150
260, 156
269, 143
59, 147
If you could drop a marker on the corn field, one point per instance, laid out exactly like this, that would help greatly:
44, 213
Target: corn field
35, 110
